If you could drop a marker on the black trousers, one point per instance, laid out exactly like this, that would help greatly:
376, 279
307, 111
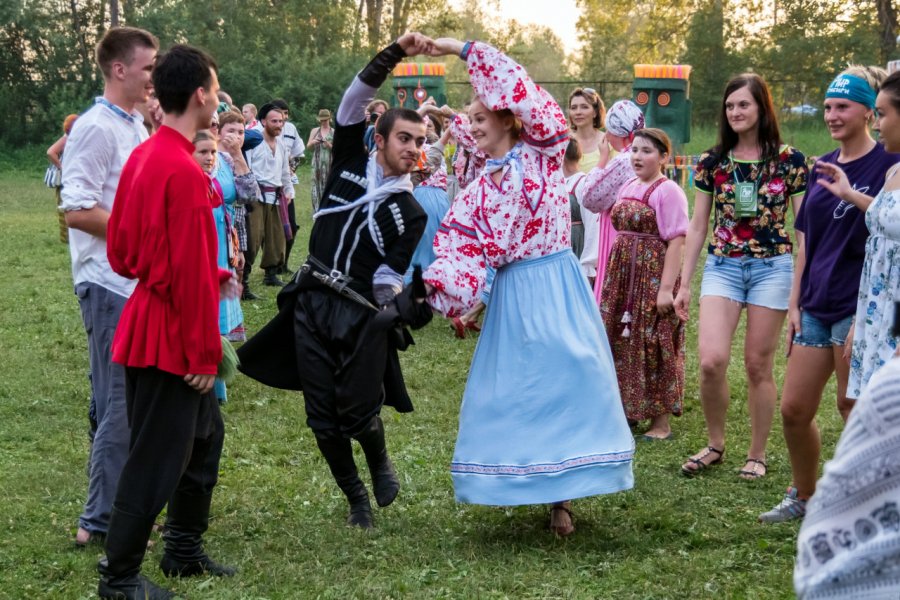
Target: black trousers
176, 441
249, 254
341, 360
292, 221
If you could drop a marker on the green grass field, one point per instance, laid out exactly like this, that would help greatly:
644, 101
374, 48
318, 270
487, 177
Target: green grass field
278, 516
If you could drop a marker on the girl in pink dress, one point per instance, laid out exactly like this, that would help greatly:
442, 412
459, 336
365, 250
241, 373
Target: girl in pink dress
647, 337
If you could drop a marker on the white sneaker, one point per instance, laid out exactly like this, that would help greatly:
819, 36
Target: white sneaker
788, 509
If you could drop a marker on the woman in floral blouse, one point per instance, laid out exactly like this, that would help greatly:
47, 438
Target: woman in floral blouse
751, 179
528, 434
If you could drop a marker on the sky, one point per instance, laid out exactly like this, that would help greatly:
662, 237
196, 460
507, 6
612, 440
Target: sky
560, 16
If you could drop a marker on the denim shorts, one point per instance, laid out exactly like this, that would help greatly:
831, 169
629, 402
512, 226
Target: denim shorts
816, 333
762, 282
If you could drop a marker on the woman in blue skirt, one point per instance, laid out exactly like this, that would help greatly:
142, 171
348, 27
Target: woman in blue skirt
541, 419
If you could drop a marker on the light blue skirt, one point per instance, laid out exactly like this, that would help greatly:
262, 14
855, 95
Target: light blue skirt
435, 204
541, 418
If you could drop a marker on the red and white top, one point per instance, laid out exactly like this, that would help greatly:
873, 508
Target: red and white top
500, 224
601, 188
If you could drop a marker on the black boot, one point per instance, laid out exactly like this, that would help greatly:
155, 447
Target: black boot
384, 477
120, 569
337, 451
288, 246
271, 277
247, 294
187, 520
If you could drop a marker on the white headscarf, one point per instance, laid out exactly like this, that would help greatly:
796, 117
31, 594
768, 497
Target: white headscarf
624, 118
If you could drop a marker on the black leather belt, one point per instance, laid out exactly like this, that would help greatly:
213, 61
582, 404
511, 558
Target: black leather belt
335, 280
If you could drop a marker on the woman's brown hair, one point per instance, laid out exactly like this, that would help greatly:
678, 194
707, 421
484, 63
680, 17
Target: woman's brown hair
768, 134
891, 88
229, 116
659, 139
594, 99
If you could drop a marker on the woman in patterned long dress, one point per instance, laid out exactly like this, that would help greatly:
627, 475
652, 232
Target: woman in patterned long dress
751, 180
320, 139
647, 337
879, 286
526, 434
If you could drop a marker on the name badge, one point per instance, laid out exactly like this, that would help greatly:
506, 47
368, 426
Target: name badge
745, 200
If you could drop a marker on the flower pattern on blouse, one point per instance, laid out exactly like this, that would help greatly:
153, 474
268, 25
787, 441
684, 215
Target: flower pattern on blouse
497, 224
766, 234
601, 188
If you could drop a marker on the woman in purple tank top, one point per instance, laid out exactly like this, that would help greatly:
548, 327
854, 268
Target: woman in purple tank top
831, 247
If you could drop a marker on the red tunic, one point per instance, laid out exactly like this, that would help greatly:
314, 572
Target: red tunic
162, 233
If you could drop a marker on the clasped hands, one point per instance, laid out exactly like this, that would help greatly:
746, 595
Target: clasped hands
415, 44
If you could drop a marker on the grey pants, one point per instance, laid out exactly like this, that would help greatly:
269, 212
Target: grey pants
100, 311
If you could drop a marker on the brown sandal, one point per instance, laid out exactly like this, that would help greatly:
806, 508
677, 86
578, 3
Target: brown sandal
753, 472
701, 466
562, 531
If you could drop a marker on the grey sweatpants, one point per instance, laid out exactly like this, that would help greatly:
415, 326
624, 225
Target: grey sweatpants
100, 311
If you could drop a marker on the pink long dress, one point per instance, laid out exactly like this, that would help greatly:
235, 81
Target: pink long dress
601, 189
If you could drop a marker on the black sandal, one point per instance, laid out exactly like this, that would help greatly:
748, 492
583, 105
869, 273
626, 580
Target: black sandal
701, 466
753, 473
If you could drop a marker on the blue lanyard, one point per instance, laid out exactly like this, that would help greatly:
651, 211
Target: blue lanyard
114, 108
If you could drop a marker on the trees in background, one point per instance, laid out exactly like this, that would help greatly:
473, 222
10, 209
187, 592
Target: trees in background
797, 45
307, 50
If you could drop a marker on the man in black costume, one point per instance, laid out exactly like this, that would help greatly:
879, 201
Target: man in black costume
344, 305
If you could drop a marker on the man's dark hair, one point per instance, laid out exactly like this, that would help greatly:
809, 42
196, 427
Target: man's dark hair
178, 74
280, 104
386, 123
265, 109
119, 44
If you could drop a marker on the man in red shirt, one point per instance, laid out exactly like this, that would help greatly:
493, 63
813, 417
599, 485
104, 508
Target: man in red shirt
161, 232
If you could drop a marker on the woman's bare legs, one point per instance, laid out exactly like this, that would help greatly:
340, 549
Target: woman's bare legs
760, 343
718, 320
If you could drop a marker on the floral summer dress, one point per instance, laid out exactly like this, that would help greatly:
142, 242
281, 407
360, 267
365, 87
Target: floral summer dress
321, 164
879, 288
648, 349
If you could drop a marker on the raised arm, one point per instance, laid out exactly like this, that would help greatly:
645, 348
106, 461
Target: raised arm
602, 184
459, 129
364, 86
501, 83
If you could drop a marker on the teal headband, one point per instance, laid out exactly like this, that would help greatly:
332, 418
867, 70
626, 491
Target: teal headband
851, 87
